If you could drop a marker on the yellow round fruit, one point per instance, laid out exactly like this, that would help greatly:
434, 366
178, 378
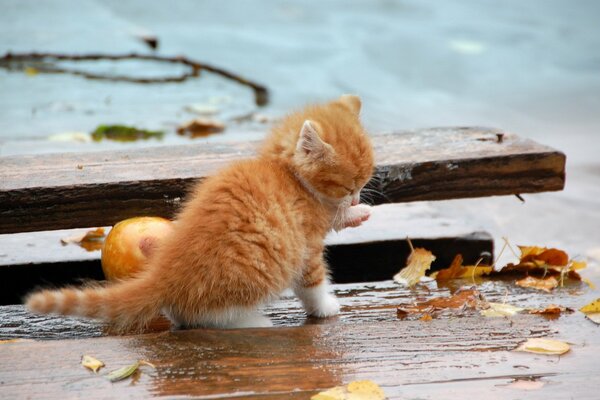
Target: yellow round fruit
129, 244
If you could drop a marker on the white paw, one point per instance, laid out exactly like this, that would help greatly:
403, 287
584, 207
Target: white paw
356, 215
327, 306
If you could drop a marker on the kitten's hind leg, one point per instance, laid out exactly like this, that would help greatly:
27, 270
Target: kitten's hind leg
313, 290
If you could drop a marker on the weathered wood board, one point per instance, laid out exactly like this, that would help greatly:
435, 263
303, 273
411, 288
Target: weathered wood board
374, 251
448, 357
61, 191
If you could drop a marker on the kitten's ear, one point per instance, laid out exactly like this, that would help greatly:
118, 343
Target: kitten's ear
352, 102
309, 141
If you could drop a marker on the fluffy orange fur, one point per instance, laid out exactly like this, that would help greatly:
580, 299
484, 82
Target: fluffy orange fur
247, 233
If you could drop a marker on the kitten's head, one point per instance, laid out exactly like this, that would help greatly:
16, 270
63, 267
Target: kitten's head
331, 152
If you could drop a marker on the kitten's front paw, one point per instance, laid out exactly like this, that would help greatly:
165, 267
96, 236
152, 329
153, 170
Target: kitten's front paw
356, 215
327, 306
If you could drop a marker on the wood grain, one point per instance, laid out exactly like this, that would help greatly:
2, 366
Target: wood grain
448, 357
60, 191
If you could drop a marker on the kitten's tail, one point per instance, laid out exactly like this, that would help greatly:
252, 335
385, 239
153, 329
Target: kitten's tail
127, 305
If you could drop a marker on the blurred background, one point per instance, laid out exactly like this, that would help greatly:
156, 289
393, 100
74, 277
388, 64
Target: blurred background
526, 67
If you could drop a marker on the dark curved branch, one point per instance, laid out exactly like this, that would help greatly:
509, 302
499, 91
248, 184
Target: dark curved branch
10, 60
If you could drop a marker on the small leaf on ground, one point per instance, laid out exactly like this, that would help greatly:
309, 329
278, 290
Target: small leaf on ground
90, 240
123, 372
357, 390
592, 311
545, 284
122, 133
458, 271
544, 346
417, 263
500, 310
462, 299
551, 310
200, 127
91, 363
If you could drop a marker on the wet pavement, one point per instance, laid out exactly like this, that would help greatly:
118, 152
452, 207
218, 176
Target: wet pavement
526, 67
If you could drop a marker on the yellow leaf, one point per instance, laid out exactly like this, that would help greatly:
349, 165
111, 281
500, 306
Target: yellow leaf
544, 346
417, 263
500, 310
593, 307
589, 283
365, 390
357, 390
91, 363
30, 71
123, 372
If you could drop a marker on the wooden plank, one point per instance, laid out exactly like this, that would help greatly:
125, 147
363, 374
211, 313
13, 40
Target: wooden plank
375, 251
45, 192
447, 357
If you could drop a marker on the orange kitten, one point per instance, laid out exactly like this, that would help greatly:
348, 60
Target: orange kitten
247, 233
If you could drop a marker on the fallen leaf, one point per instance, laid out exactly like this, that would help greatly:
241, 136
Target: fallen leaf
458, 271
80, 137
357, 390
543, 262
544, 346
500, 310
550, 310
526, 384
541, 254
123, 372
123, 133
465, 298
202, 109
201, 127
426, 318
417, 263
31, 71
546, 284
90, 240
91, 363
592, 311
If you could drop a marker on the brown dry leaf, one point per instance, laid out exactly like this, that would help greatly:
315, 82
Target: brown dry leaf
357, 390
426, 318
542, 262
546, 256
544, 346
551, 310
546, 284
201, 127
458, 271
417, 263
465, 298
91, 363
90, 240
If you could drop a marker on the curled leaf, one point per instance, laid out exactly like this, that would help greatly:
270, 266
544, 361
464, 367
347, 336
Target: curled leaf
123, 372
551, 310
90, 240
91, 363
458, 271
544, 346
417, 263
